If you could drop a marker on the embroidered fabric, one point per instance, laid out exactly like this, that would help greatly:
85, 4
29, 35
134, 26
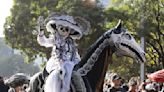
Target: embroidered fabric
63, 58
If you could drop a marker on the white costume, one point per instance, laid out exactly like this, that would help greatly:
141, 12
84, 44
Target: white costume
64, 53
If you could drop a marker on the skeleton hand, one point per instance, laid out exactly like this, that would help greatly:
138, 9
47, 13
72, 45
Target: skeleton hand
40, 26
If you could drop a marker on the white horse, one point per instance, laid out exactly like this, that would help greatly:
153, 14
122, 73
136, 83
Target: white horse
88, 75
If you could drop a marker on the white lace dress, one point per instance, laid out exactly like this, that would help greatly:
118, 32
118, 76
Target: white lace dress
63, 58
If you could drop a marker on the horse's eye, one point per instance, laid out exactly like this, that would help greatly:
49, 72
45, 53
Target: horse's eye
117, 31
128, 36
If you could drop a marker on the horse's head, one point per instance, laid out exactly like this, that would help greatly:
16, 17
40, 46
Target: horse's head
125, 44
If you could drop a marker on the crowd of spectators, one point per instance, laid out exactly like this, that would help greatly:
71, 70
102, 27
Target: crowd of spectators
114, 83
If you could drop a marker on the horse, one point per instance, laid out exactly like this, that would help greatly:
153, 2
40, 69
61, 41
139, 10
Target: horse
88, 75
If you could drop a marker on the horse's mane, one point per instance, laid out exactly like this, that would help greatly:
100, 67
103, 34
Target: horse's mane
100, 66
89, 52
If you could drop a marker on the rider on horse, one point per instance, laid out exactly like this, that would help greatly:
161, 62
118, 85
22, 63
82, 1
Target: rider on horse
64, 30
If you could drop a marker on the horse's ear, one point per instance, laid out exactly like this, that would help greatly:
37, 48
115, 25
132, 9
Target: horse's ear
119, 24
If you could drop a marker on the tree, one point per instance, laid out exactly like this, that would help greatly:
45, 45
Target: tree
22, 22
151, 27
143, 18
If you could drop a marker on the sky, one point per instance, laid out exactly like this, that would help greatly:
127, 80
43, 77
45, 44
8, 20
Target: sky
5, 6
106, 2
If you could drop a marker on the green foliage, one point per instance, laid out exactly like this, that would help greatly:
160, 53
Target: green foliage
142, 18
22, 22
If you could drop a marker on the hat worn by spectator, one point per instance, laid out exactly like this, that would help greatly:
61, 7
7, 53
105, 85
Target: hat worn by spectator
17, 80
115, 77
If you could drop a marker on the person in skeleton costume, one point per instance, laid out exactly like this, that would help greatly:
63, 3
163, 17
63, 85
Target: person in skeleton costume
64, 30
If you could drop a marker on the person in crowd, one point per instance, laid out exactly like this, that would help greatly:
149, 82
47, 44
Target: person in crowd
106, 84
124, 84
148, 86
116, 84
142, 87
133, 85
3, 87
18, 82
162, 88
152, 87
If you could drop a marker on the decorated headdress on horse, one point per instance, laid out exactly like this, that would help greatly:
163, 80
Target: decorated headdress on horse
62, 22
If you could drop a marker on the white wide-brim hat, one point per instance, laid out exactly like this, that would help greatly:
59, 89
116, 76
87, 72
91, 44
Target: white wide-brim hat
78, 25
